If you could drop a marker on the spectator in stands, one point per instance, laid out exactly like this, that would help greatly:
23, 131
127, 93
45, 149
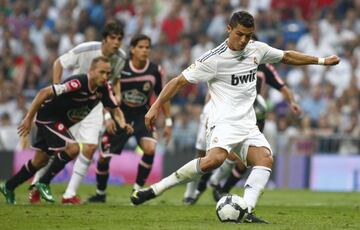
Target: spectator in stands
314, 104
173, 25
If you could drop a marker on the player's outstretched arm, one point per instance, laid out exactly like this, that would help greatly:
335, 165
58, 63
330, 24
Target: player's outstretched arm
296, 58
169, 90
41, 96
117, 90
166, 108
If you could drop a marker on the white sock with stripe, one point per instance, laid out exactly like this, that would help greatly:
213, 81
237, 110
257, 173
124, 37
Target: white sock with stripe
41, 172
188, 172
80, 170
255, 185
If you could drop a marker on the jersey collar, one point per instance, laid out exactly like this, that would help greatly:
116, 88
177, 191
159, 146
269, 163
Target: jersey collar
132, 67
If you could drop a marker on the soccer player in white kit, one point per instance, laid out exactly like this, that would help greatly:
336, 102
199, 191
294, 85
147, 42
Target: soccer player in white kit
87, 131
230, 71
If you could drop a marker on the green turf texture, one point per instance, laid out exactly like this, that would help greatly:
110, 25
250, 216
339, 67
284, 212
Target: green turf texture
285, 209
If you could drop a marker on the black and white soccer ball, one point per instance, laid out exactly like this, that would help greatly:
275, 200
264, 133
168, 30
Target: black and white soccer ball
231, 208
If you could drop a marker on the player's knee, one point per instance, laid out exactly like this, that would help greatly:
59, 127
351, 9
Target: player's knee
149, 150
266, 160
211, 162
72, 150
148, 147
39, 162
89, 150
260, 156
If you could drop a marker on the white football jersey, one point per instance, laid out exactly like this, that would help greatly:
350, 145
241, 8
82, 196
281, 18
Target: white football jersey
231, 78
80, 57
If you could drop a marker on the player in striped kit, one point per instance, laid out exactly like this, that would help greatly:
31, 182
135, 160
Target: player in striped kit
139, 81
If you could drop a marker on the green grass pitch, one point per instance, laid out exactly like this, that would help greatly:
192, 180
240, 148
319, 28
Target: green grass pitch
285, 209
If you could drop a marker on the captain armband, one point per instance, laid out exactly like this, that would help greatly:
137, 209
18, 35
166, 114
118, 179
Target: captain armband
59, 89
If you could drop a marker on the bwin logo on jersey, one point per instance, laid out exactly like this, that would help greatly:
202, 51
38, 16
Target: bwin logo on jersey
236, 79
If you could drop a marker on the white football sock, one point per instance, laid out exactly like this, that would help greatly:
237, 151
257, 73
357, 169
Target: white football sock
186, 173
255, 184
222, 172
191, 188
99, 192
137, 187
42, 171
79, 172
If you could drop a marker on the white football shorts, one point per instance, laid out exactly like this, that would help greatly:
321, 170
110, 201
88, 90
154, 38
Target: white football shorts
88, 130
234, 139
201, 134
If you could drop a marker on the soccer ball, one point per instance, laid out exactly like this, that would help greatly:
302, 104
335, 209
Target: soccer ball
231, 208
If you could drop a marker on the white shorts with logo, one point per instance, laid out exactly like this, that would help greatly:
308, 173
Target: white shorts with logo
236, 140
88, 130
201, 134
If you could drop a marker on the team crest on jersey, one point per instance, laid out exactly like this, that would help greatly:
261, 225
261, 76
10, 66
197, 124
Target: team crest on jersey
78, 114
134, 98
60, 127
105, 139
146, 86
215, 140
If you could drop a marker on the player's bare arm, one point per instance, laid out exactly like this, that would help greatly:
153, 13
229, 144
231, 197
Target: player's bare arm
57, 71
169, 91
289, 97
117, 90
109, 122
41, 96
296, 58
168, 122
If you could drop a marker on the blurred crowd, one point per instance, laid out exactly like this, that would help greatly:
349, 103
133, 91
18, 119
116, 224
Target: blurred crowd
35, 32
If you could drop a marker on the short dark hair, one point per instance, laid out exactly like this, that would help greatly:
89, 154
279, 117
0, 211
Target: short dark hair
99, 59
243, 18
112, 28
139, 37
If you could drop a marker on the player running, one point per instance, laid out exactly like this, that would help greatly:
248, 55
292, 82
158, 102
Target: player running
88, 130
58, 107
